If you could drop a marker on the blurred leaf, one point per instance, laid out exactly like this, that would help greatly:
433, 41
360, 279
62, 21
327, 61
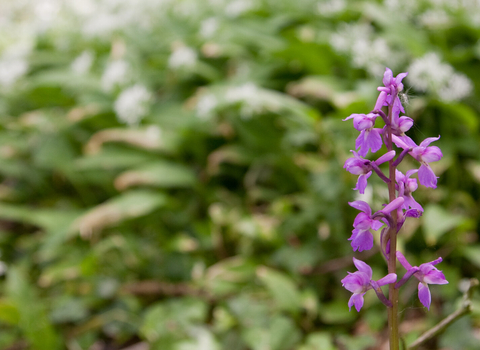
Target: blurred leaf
228, 275
281, 287
437, 221
336, 312
472, 253
172, 318
151, 138
9, 312
118, 209
318, 341
33, 319
112, 158
159, 174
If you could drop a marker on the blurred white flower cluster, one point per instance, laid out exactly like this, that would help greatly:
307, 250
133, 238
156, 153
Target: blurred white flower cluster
132, 104
249, 97
83, 62
115, 74
430, 74
366, 51
13, 64
182, 57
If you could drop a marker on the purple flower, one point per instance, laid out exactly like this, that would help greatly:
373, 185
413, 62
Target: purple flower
405, 187
364, 167
360, 282
424, 154
392, 87
426, 274
369, 137
362, 238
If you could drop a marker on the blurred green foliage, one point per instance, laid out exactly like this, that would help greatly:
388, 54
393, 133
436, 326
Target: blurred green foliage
171, 171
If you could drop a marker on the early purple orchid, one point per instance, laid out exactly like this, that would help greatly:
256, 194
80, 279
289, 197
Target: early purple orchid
369, 137
364, 167
360, 282
362, 238
401, 206
426, 274
424, 154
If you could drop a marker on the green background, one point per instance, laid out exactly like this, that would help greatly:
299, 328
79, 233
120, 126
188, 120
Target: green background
171, 172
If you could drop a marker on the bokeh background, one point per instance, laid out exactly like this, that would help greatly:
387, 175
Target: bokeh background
171, 170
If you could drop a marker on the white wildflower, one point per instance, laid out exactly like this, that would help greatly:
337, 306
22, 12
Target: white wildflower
132, 104
208, 27
13, 64
250, 97
238, 7
458, 87
115, 75
11, 70
182, 57
366, 51
206, 105
331, 7
435, 18
428, 73
82, 63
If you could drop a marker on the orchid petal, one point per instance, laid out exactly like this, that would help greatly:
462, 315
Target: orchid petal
426, 176
357, 300
362, 206
424, 295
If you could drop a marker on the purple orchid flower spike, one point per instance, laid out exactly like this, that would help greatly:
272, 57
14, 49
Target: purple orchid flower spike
424, 154
364, 167
405, 187
362, 238
369, 138
426, 274
360, 282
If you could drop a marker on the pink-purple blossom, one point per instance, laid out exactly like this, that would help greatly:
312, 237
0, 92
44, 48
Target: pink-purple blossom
362, 237
363, 167
360, 282
370, 137
425, 154
405, 186
426, 274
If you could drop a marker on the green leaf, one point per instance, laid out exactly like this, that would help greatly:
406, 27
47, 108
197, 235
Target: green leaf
318, 341
282, 288
159, 174
473, 254
9, 312
172, 318
436, 221
126, 206
33, 319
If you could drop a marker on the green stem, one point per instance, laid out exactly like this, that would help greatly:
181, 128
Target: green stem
392, 259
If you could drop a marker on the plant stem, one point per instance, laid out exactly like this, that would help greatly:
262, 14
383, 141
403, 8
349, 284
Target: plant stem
392, 259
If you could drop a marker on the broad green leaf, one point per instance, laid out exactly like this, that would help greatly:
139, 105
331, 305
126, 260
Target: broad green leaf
436, 221
158, 174
282, 288
126, 206
112, 158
